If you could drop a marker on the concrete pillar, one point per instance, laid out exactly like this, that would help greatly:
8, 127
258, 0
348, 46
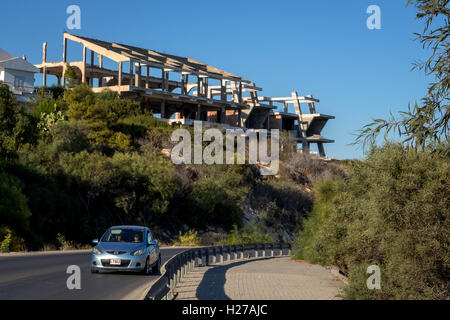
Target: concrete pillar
63, 82
183, 84
205, 88
199, 112
163, 109
83, 68
222, 115
321, 149
223, 89
312, 107
199, 86
131, 72
240, 92
119, 77
44, 59
137, 77
63, 79
65, 50
44, 77
44, 52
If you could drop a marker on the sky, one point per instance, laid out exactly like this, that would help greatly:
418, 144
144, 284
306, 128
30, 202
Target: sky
323, 48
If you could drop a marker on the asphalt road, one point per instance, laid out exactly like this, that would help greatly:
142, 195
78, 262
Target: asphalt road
43, 276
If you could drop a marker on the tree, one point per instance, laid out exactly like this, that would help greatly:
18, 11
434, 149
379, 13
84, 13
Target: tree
425, 125
16, 127
14, 211
72, 79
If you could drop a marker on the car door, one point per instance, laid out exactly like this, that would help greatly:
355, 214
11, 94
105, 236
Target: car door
152, 248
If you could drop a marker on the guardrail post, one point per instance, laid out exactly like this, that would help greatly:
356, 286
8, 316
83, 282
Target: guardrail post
189, 262
201, 256
181, 267
179, 261
264, 250
169, 279
195, 262
221, 255
214, 255
183, 261
207, 257
271, 249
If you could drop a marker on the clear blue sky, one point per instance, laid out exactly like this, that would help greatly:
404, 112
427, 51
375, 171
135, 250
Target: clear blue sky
321, 48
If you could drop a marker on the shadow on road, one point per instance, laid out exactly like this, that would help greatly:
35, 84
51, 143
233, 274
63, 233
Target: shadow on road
212, 286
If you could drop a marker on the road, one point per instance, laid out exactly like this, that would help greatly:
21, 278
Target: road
43, 276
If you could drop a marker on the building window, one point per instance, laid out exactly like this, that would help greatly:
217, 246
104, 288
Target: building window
19, 82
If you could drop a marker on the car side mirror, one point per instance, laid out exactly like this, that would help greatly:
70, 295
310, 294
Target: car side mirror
95, 242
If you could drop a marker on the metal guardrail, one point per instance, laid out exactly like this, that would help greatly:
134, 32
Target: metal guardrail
179, 265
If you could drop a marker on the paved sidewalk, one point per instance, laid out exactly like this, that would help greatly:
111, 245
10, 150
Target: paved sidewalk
259, 279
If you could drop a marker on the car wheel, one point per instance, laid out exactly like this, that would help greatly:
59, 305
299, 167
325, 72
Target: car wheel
148, 267
94, 271
157, 267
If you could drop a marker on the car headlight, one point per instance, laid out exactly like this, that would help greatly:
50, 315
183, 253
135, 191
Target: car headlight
96, 251
137, 252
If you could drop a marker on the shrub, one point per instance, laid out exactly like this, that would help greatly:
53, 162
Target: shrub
62, 243
6, 242
251, 233
190, 238
10, 241
392, 211
14, 211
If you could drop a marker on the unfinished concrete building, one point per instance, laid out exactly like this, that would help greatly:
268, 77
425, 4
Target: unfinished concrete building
181, 90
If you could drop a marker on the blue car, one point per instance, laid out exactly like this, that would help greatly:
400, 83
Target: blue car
126, 248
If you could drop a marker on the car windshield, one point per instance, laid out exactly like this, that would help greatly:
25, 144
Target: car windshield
124, 235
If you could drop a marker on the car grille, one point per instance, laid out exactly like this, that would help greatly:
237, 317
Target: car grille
123, 263
116, 252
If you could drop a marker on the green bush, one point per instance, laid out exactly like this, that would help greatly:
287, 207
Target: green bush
392, 211
189, 238
14, 211
251, 233
308, 246
9, 242
16, 126
215, 197
6, 242
63, 244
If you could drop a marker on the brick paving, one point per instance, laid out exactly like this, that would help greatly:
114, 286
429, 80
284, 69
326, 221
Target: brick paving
259, 279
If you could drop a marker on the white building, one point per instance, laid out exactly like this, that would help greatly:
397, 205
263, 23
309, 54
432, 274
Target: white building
18, 74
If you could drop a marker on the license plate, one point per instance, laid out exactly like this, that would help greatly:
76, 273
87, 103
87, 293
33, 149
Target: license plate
115, 262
